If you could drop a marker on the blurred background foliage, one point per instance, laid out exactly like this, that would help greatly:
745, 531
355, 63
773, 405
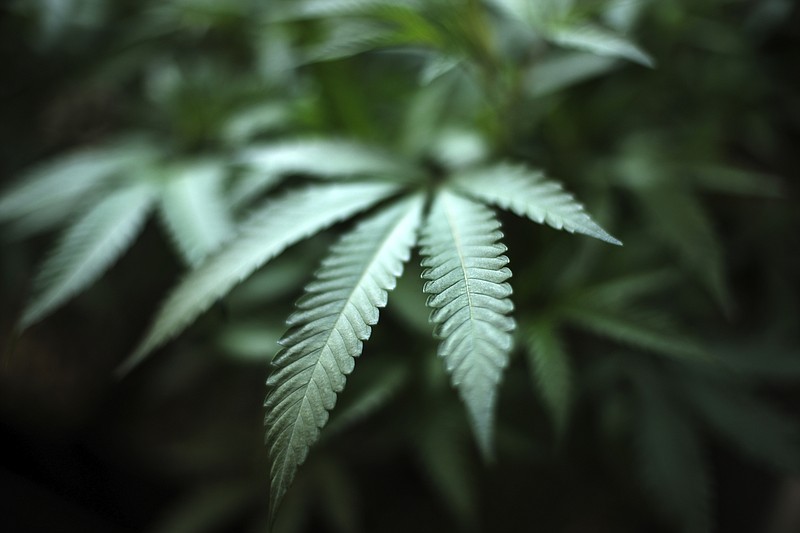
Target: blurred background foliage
653, 387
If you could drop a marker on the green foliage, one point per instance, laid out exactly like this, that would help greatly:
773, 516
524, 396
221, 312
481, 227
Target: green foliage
551, 370
327, 332
262, 132
87, 249
528, 194
268, 232
466, 279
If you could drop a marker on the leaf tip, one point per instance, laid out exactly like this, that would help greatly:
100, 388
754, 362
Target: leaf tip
132, 361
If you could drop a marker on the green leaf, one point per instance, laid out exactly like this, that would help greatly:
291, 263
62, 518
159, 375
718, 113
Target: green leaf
280, 223
732, 180
323, 158
645, 329
598, 40
622, 15
326, 333
683, 224
551, 370
334, 8
467, 276
87, 249
428, 112
436, 66
347, 38
52, 192
194, 210
557, 21
255, 120
535, 13
619, 292
559, 71
250, 185
527, 193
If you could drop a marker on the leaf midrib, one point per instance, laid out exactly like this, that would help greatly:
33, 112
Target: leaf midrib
457, 242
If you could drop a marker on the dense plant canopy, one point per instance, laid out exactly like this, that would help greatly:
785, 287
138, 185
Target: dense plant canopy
356, 155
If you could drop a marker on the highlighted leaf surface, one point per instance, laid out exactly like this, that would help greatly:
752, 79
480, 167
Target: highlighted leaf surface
326, 334
323, 159
527, 193
467, 275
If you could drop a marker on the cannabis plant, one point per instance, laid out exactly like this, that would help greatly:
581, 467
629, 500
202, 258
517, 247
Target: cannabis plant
412, 129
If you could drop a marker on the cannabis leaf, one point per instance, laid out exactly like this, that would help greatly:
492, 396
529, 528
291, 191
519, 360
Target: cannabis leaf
88, 248
268, 232
326, 334
528, 194
600, 41
266, 165
323, 158
467, 276
50, 193
558, 22
551, 369
559, 71
193, 210
647, 329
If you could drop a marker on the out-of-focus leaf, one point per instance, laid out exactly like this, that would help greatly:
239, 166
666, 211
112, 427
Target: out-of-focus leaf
649, 330
600, 41
268, 232
621, 15
324, 158
551, 370
620, 292
194, 210
736, 181
436, 66
52, 192
459, 148
559, 71
252, 121
88, 248
682, 223
347, 38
